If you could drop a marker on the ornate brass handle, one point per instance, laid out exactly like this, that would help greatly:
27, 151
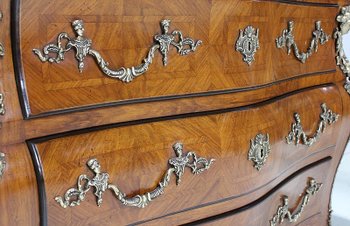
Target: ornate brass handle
2, 48
344, 27
2, 164
101, 184
283, 211
82, 46
2, 105
287, 40
297, 133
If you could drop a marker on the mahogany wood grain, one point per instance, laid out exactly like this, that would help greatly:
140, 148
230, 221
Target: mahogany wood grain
136, 157
315, 213
131, 26
18, 190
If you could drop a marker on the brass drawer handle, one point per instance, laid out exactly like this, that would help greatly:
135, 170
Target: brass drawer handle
2, 164
2, 48
2, 105
283, 211
101, 184
83, 47
297, 134
287, 40
344, 27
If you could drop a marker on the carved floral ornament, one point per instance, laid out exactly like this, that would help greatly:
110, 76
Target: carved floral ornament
54, 53
344, 27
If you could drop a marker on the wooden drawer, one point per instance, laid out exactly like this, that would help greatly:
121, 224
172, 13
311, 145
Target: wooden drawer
315, 211
122, 32
19, 202
136, 158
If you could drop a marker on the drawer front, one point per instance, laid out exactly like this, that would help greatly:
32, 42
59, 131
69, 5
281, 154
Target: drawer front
18, 191
307, 203
136, 159
123, 32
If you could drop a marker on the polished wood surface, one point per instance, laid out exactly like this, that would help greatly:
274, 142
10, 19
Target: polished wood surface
20, 130
315, 213
131, 25
136, 158
217, 105
19, 202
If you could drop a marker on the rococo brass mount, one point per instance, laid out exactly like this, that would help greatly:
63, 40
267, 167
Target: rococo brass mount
283, 210
287, 40
2, 48
2, 164
248, 43
297, 133
259, 150
82, 46
2, 105
344, 28
101, 184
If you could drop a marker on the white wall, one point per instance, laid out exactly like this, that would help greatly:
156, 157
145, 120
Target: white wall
340, 196
346, 43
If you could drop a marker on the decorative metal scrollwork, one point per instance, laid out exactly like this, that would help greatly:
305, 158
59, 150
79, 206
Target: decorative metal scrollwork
297, 133
2, 164
74, 196
287, 40
83, 48
248, 43
2, 48
259, 150
283, 211
344, 27
2, 105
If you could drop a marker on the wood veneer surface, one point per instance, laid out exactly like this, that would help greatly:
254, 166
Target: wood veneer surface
315, 212
19, 202
131, 25
136, 158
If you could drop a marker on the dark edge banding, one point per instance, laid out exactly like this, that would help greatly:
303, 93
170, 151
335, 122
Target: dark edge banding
261, 199
17, 58
39, 173
173, 97
291, 2
173, 117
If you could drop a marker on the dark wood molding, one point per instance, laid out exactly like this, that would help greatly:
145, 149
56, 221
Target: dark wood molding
40, 183
17, 58
291, 2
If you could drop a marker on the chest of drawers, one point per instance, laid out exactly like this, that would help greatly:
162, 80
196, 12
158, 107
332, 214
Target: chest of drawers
223, 112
